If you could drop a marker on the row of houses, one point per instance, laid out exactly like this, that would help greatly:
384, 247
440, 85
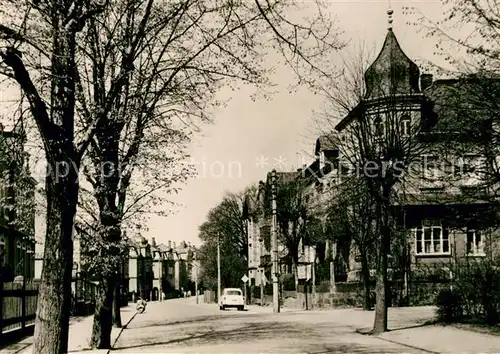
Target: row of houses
151, 270
441, 220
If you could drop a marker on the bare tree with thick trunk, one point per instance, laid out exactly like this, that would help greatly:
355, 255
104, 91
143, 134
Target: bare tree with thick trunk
49, 31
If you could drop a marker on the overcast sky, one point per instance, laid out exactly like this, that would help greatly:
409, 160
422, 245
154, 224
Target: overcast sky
250, 138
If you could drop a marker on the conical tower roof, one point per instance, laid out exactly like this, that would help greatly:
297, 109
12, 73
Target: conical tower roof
392, 73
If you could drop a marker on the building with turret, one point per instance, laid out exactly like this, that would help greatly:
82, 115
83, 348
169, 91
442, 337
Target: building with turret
440, 219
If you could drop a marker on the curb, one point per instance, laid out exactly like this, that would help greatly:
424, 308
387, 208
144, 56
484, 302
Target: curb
120, 333
367, 332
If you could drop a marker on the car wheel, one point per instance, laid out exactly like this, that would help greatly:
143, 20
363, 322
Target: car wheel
223, 308
240, 308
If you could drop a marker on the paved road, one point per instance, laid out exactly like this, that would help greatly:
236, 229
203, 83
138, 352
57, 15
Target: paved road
182, 326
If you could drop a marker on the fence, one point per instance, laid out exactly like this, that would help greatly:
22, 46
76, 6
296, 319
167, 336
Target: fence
17, 306
18, 302
83, 297
352, 294
209, 296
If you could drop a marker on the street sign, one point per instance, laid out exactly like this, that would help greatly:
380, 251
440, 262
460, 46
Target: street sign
301, 272
308, 272
244, 278
275, 278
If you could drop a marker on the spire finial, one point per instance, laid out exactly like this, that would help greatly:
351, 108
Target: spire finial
390, 11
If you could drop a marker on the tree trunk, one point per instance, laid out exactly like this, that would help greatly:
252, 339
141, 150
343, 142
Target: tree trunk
365, 271
117, 299
103, 319
53, 308
57, 132
295, 273
106, 165
381, 287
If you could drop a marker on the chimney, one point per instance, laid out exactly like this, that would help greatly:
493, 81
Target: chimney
153, 242
425, 81
189, 244
169, 244
173, 244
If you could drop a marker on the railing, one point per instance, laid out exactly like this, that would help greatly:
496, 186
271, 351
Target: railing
18, 302
83, 297
17, 305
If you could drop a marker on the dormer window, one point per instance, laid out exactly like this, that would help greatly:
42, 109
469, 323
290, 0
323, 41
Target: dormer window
405, 125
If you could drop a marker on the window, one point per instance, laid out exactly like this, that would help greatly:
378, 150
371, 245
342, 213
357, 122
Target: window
2, 251
432, 238
405, 125
233, 292
475, 244
379, 127
433, 170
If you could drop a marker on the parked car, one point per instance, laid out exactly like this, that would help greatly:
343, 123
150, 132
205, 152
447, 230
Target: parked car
232, 297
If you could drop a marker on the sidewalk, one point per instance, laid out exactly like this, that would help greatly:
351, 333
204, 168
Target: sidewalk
444, 339
407, 326
80, 331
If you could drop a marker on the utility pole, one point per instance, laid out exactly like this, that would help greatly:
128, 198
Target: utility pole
160, 277
218, 269
274, 240
196, 276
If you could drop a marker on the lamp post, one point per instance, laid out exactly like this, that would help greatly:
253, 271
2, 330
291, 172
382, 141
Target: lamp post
196, 276
218, 269
274, 240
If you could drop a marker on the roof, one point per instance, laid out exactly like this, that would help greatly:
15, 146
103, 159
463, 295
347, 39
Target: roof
392, 72
326, 142
283, 176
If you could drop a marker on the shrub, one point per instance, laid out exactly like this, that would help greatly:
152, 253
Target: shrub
449, 306
289, 282
479, 286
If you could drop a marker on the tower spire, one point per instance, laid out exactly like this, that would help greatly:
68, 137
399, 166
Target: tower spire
390, 11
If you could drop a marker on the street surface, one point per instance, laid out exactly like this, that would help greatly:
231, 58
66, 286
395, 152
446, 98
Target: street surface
182, 326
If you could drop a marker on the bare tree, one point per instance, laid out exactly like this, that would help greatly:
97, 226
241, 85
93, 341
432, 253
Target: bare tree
43, 36
297, 223
187, 35
352, 217
469, 101
378, 140
225, 224
165, 62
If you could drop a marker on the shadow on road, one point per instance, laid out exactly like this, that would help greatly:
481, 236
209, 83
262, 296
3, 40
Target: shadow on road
289, 336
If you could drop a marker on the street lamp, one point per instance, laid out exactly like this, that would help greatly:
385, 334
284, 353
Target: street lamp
274, 245
218, 268
196, 276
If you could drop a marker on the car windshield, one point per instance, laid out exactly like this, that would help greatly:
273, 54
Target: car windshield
233, 292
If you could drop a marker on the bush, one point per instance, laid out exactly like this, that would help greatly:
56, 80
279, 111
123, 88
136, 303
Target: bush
289, 282
449, 306
479, 286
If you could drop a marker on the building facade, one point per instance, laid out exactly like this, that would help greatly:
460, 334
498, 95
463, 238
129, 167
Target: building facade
438, 220
17, 202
